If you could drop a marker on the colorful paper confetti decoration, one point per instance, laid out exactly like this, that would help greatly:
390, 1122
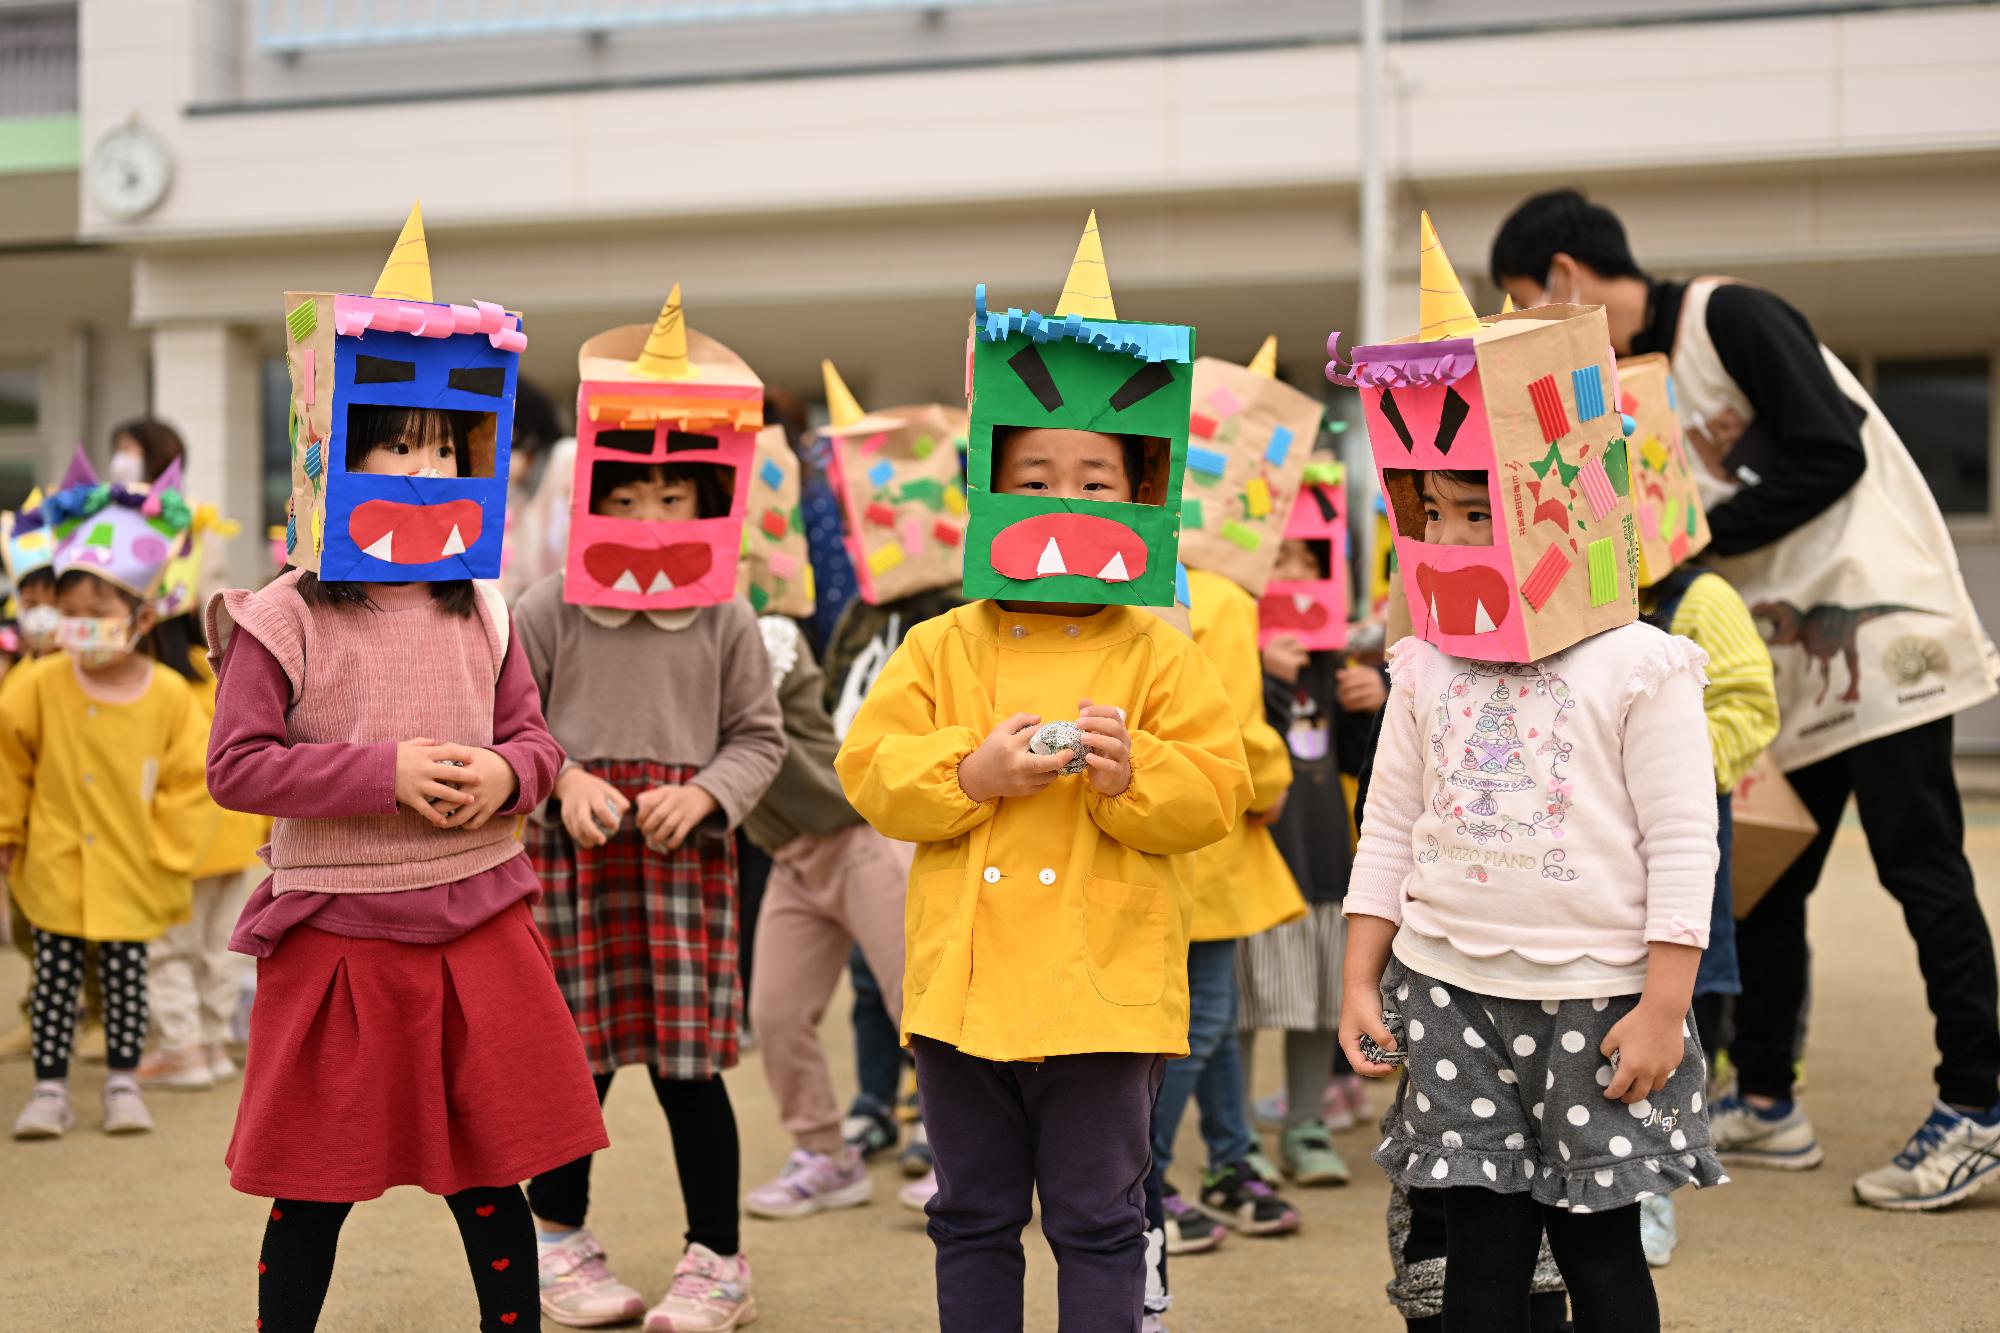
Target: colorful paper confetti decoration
1597, 489
884, 558
954, 500
1209, 462
1257, 497
771, 474
1225, 403
301, 320
923, 446
1653, 454
782, 564
1547, 573
1280, 445
775, 524
1588, 384
1191, 513
1554, 459
946, 533
1549, 408
881, 474
303, 357
913, 532
881, 515
926, 491
1203, 426
1670, 518
1603, 571
313, 460
758, 598
1616, 467
1247, 538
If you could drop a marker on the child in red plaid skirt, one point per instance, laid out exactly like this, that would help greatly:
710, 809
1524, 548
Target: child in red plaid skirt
673, 733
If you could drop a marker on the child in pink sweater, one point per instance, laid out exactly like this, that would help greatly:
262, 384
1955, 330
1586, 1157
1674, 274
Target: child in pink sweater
1528, 906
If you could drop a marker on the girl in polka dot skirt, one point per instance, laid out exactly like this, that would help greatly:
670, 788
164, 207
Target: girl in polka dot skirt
1528, 906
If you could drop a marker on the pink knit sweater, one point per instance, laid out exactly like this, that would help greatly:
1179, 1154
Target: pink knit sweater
376, 677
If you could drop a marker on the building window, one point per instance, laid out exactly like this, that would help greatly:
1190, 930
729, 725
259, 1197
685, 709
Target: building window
1943, 409
20, 398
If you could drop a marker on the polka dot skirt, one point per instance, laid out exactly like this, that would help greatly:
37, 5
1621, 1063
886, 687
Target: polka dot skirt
1509, 1095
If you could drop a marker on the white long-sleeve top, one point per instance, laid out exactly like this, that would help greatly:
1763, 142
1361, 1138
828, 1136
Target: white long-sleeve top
1533, 827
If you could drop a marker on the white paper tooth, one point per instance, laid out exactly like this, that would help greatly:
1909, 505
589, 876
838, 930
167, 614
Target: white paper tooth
661, 583
1114, 570
1434, 609
454, 544
380, 550
626, 583
1481, 622
1051, 561
1301, 602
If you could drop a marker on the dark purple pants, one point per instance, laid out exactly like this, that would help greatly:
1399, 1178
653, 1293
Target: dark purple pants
1073, 1127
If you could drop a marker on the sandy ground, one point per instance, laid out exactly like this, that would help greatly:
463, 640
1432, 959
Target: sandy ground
145, 1234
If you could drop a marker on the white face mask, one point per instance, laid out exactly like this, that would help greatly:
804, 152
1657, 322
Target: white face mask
128, 469
38, 626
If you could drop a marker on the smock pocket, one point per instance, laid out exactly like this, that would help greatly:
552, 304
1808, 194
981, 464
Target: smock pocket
1125, 940
927, 922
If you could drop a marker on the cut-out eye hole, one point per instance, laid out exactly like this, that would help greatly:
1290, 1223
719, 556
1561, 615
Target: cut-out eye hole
1034, 374
1450, 418
1146, 381
679, 441
1394, 416
382, 370
626, 441
488, 380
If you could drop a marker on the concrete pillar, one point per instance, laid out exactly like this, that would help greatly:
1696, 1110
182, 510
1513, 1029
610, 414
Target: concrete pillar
206, 385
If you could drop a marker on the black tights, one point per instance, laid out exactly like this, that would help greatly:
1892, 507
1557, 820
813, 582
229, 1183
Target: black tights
297, 1260
59, 967
1490, 1244
703, 1127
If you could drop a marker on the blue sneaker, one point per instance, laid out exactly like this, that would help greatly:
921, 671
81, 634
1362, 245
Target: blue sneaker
1777, 1136
1950, 1156
868, 1127
1657, 1233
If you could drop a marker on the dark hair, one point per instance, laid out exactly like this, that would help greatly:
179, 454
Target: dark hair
453, 596
535, 424
159, 443
712, 495
371, 424
172, 644
1561, 222
71, 577
36, 578
1462, 476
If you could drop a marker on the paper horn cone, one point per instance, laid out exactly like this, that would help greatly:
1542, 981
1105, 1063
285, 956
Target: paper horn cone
1265, 363
1087, 289
665, 355
1507, 304
407, 275
1442, 310
841, 407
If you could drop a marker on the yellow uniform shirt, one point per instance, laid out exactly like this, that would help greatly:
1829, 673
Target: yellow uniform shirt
1741, 701
108, 798
1052, 924
1241, 884
237, 836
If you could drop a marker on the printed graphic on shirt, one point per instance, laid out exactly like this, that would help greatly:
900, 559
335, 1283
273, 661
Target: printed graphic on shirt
1499, 752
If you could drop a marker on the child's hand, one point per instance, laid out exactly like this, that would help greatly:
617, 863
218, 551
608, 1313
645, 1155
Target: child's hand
7, 855
1361, 1012
1003, 765
1266, 818
1649, 1044
491, 783
586, 800
1360, 689
1110, 745
1285, 657
423, 768
668, 814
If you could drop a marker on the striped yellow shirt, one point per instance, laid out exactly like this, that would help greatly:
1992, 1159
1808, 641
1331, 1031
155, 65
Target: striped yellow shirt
1742, 697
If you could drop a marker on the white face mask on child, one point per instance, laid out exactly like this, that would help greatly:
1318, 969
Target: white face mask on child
38, 626
128, 469
95, 641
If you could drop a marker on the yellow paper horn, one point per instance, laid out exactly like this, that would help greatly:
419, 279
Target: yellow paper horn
407, 275
1442, 310
665, 355
1265, 363
841, 408
1507, 304
1087, 289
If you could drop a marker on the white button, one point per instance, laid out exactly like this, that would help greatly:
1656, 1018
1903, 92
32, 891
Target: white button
90, 711
1020, 631
1071, 630
992, 875
90, 839
1047, 876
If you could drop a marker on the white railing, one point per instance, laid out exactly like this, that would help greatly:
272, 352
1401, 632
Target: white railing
290, 26
37, 65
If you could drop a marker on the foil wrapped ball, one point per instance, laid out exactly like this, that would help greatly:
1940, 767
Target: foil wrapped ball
1053, 736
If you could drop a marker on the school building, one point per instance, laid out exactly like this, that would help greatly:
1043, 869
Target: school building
831, 177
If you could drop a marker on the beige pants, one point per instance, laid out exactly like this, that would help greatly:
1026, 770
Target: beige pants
825, 895
192, 980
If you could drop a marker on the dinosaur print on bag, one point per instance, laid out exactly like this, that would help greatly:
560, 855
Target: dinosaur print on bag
1823, 631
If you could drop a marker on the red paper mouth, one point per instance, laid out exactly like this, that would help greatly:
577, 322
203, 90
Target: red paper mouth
648, 570
1291, 610
1051, 544
1472, 600
410, 534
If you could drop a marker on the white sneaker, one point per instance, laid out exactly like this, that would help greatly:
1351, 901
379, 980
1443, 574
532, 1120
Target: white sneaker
578, 1287
918, 1192
47, 1114
220, 1067
1657, 1233
1748, 1137
1949, 1157
124, 1109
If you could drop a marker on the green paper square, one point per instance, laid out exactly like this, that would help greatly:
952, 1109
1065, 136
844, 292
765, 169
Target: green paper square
1246, 538
1616, 465
758, 597
1603, 571
922, 446
302, 319
1191, 514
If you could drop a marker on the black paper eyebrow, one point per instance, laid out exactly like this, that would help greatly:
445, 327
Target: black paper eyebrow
626, 441
1394, 416
1450, 418
382, 370
680, 441
488, 380
1146, 381
1034, 374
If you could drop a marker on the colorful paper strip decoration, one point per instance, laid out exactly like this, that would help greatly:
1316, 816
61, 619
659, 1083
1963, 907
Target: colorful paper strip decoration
954, 499
1617, 467
946, 533
1653, 454
1209, 462
881, 474
881, 515
781, 564
1548, 572
1589, 385
1191, 514
1247, 538
306, 384
913, 532
1603, 571
1257, 497
775, 523
1201, 425
771, 474
922, 446
1549, 408
884, 558
1670, 518
1225, 403
1280, 445
1597, 489
302, 319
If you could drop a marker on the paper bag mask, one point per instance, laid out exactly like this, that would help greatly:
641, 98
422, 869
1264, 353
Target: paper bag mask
774, 574
1673, 525
1529, 398
398, 348
1081, 368
664, 397
1771, 829
1313, 611
1249, 437
902, 497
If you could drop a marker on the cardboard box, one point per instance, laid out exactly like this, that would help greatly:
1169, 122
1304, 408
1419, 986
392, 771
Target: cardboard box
1772, 828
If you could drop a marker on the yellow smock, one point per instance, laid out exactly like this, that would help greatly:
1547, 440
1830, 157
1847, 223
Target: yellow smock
237, 836
1241, 884
1052, 924
103, 800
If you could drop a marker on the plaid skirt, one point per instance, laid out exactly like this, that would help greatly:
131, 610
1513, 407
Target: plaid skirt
644, 942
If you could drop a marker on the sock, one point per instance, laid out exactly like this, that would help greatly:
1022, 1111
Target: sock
1775, 1111
546, 1238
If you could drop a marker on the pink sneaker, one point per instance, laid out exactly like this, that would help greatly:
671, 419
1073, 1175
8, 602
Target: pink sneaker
813, 1182
710, 1294
918, 1192
182, 1069
1346, 1102
578, 1287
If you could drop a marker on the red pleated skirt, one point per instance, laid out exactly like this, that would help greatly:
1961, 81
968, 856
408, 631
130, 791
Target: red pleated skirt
375, 1063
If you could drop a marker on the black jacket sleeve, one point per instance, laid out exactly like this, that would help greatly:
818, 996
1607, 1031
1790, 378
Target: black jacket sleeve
1812, 452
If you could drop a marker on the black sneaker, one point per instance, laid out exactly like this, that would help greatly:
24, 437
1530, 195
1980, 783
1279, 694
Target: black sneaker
1237, 1197
868, 1127
1189, 1229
